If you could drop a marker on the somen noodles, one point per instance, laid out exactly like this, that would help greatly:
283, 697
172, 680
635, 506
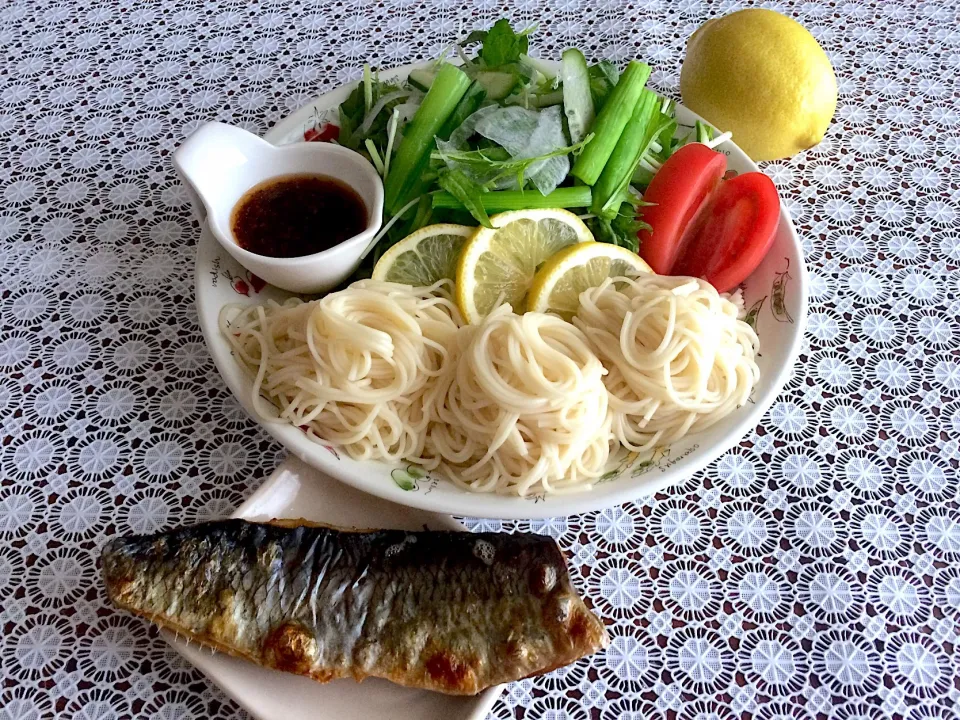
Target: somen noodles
516, 404
355, 368
678, 357
524, 410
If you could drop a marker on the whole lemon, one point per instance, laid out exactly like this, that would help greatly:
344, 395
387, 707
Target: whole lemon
763, 77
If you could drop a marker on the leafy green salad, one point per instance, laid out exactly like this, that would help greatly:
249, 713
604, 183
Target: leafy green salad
504, 131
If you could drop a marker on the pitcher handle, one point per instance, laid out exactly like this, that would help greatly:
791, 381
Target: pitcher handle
212, 150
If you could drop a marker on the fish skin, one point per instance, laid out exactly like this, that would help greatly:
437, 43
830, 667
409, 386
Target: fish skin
454, 612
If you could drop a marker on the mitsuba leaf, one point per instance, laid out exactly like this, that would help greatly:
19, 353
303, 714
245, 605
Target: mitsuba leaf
621, 230
502, 45
467, 192
477, 36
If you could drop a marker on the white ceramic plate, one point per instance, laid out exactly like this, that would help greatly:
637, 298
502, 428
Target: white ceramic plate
295, 490
777, 292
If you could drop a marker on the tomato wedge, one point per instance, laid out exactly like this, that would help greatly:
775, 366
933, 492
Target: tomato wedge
325, 133
676, 192
702, 227
732, 233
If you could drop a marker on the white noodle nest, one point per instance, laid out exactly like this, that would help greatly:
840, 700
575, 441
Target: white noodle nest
355, 368
524, 409
678, 356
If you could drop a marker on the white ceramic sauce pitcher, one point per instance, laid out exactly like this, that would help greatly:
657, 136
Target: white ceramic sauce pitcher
221, 162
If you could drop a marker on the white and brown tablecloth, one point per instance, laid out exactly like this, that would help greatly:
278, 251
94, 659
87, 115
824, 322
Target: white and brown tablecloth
812, 572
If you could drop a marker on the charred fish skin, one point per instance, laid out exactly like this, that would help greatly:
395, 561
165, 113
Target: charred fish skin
455, 612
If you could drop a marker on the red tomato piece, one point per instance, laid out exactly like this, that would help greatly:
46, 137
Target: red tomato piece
677, 190
705, 227
732, 233
326, 133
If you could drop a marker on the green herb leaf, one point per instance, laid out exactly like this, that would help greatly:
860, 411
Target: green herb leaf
502, 45
603, 78
622, 229
353, 110
665, 138
651, 159
424, 213
477, 36
495, 163
467, 192
603, 231
704, 132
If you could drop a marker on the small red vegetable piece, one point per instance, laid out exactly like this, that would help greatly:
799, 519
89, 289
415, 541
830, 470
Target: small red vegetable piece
325, 133
677, 190
732, 233
704, 227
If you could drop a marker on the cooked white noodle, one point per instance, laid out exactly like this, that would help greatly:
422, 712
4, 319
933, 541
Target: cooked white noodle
523, 410
678, 357
356, 368
518, 404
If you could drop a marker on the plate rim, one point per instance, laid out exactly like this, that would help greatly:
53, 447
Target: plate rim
511, 507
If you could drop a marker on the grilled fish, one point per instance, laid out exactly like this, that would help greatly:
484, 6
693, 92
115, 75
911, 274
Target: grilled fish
455, 612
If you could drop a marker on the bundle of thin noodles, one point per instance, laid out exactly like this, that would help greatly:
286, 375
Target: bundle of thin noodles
522, 409
678, 357
357, 368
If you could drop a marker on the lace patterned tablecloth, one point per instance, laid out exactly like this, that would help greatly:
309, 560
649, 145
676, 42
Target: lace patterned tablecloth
814, 571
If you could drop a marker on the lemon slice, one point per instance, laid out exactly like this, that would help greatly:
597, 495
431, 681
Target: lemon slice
558, 284
498, 265
425, 256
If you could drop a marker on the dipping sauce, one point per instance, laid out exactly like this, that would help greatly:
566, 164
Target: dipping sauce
296, 215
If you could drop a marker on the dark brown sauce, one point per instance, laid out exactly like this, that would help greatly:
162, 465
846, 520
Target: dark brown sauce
296, 215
